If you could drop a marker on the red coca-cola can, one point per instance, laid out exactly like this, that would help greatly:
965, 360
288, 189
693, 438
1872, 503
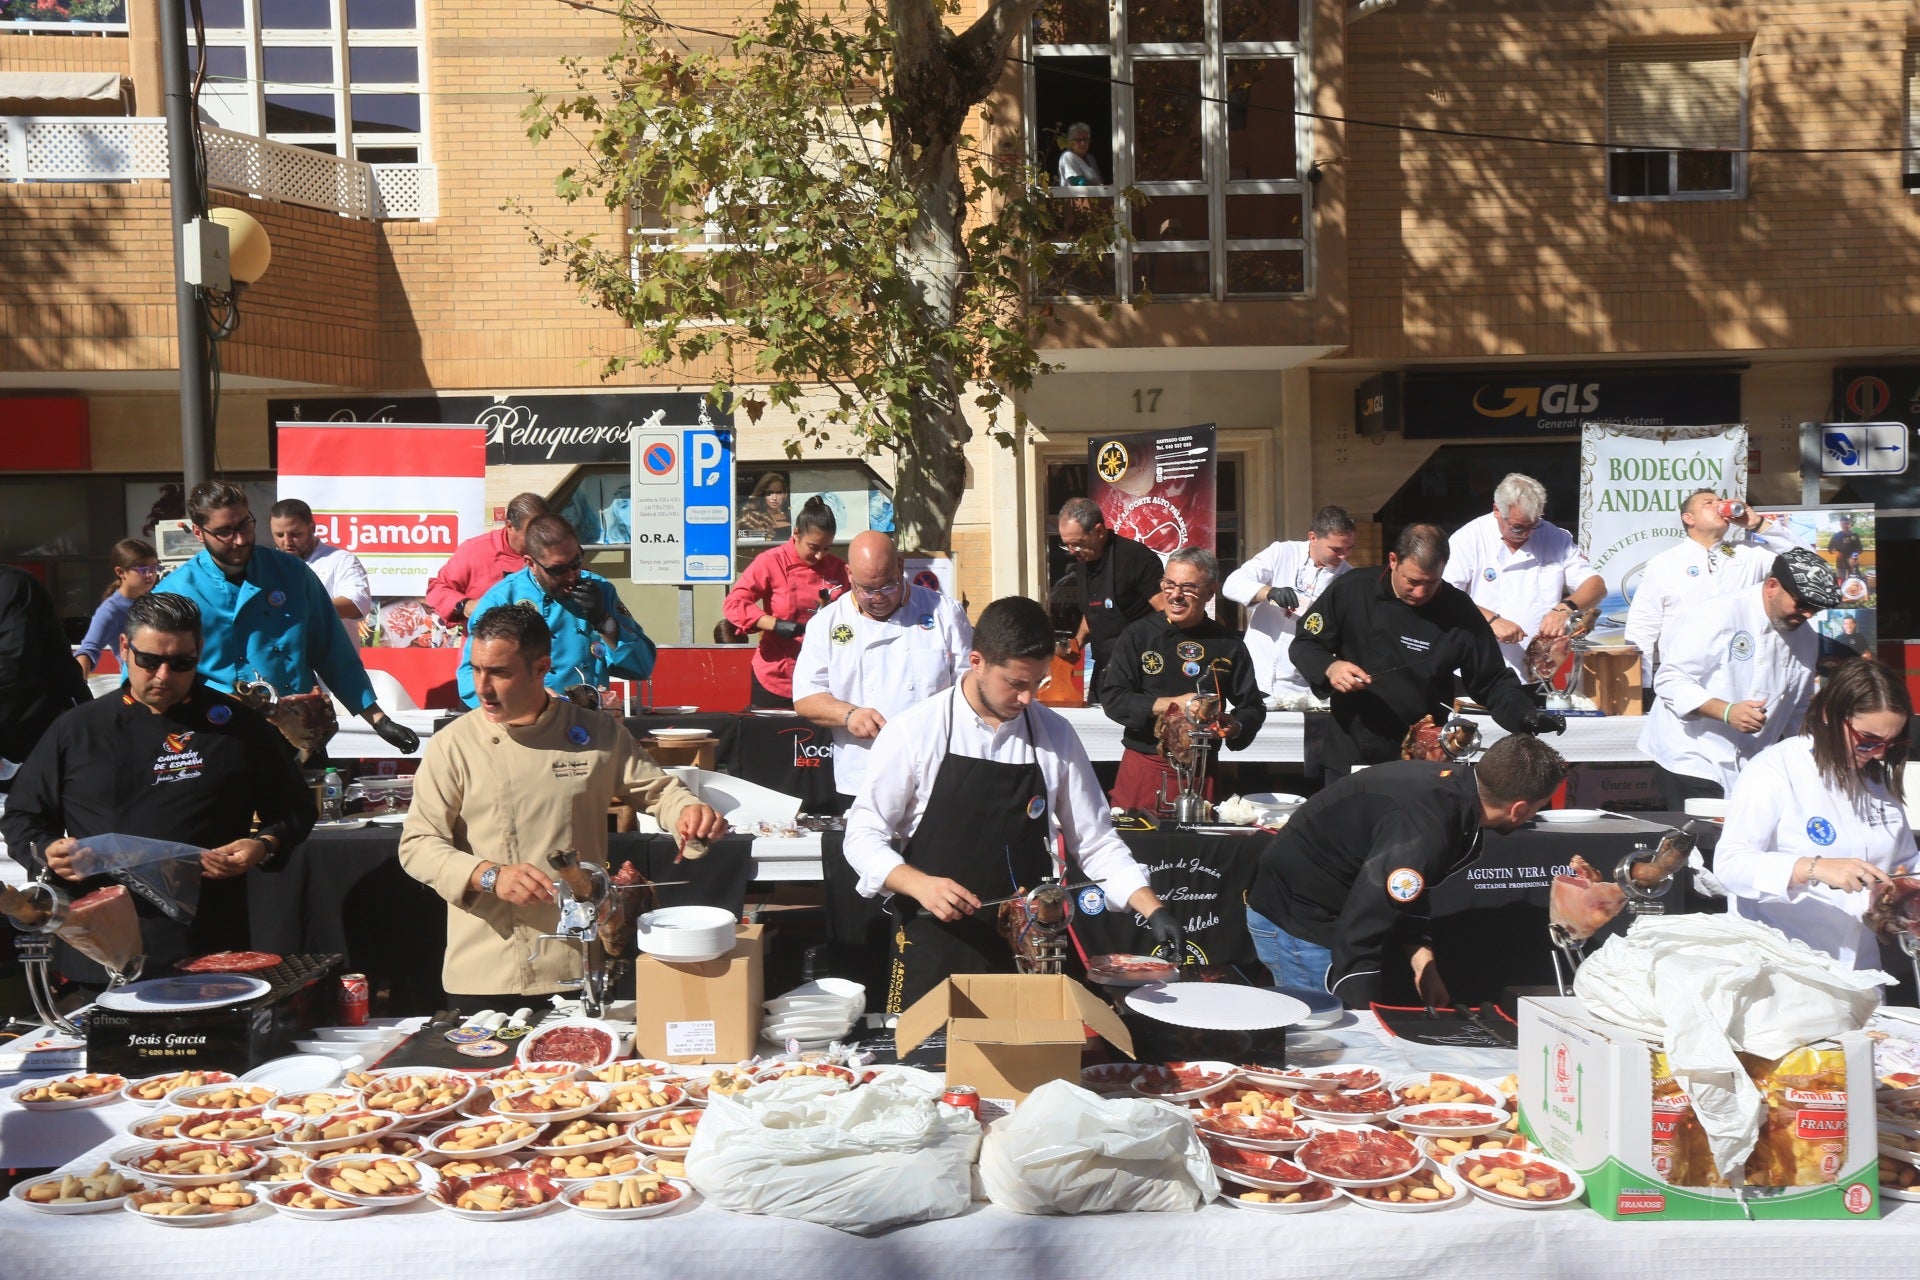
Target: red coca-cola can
1731, 509
353, 1000
963, 1095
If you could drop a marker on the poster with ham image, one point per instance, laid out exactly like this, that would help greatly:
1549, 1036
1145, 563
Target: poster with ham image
1156, 487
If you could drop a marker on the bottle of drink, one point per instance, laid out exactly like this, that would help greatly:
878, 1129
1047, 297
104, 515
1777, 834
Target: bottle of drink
330, 790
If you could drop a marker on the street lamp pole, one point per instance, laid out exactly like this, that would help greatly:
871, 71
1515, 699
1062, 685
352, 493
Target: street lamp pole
183, 169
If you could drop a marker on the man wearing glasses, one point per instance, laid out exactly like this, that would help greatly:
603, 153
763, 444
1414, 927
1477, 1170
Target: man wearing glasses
594, 637
1170, 658
1527, 575
880, 648
1119, 582
1735, 676
266, 616
168, 758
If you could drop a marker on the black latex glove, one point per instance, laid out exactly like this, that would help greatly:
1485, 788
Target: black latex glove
1168, 935
1285, 597
582, 695
1544, 722
788, 629
585, 596
397, 735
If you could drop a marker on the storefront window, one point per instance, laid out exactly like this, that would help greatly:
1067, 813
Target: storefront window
1456, 485
768, 496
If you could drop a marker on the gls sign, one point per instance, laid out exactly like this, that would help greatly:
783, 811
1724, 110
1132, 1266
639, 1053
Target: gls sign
1508, 403
1558, 398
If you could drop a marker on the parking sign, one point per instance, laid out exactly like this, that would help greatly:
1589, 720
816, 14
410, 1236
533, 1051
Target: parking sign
682, 516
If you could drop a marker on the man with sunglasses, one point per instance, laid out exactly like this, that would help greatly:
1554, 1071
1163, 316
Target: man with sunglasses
594, 637
266, 616
1170, 658
1736, 674
1527, 575
169, 758
880, 648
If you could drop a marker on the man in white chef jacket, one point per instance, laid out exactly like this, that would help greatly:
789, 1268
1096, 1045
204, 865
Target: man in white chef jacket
1735, 677
1528, 575
880, 648
1277, 587
1718, 556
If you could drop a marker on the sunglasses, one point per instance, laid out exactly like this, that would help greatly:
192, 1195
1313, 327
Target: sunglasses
1867, 744
568, 566
178, 662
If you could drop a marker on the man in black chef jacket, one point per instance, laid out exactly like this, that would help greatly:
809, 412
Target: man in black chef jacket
1166, 658
1383, 645
1119, 581
169, 759
38, 677
1340, 899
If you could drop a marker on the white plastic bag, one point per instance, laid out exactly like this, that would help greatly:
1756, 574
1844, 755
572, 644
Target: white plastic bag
1066, 1150
1710, 986
861, 1160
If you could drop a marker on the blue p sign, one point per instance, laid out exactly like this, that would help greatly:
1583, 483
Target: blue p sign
709, 460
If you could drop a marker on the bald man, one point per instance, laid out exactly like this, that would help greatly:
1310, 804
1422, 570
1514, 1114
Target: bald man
880, 648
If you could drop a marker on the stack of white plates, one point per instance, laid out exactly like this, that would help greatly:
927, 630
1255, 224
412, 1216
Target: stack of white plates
815, 1013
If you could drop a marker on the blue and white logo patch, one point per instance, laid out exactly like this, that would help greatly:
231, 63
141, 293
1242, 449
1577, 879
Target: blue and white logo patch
1821, 832
219, 713
1693, 571
926, 622
597, 649
1190, 668
1489, 574
276, 598
578, 735
1036, 807
1742, 647
1092, 902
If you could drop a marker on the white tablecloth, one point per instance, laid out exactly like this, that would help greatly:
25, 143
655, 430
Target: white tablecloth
1470, 1242
1282, 739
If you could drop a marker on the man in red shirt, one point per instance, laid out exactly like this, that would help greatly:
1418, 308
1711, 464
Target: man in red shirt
480, 562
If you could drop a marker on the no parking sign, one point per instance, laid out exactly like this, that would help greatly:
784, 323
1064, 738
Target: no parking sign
682, 515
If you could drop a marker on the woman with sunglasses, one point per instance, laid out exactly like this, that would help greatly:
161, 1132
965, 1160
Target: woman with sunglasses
1817, 822
136, 567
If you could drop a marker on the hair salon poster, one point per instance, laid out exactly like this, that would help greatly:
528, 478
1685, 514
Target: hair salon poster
1156, 487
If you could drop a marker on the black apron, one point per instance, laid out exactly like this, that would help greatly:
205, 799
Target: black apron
986, 827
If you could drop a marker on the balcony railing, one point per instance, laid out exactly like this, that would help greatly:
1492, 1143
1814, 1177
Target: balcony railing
134, 149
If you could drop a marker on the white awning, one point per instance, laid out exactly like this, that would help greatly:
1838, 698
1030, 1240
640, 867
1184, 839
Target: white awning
42, 92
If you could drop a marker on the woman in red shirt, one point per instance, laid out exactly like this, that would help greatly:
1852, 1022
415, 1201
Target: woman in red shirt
779, 592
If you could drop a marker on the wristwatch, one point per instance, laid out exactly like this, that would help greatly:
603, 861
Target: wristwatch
487, 878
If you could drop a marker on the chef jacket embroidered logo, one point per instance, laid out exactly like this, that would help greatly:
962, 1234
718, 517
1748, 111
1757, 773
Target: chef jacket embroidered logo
1313, 624
177, 761
219, 714
1405, 884
1111, 462
841, 633
597, 649
1092, 902
1036, 806
1489, 574
1820, 831
1742, 647
177, 742
578, 735
1693, 571
1190, 668
926, 622
1190, 651
276, 598
1152, 663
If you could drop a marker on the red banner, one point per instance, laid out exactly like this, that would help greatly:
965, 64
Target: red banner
1156, 487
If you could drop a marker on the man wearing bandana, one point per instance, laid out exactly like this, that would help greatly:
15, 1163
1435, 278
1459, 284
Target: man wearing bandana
501, 789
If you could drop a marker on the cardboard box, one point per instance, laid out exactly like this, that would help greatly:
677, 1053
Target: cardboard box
1586, 1097
1611, 677
1008, 1034
704, 1012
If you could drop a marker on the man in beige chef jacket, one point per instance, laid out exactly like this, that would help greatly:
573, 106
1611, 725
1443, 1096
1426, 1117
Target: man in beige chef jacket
500, 789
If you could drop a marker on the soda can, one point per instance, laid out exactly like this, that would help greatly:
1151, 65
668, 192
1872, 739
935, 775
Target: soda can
1732, 510
353, 1000
963, 1095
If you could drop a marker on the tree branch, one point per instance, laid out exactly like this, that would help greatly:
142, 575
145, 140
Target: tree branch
983, 46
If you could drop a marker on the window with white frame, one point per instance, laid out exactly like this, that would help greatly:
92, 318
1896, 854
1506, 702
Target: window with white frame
346, 77
1193, 104
1910, 162
1677, 122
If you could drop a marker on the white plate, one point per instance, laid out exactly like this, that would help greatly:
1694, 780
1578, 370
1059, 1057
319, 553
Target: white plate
183, 993
1455, 1174
192, 1219
340, 824
681, 1098
193, 1097
1409, 1118
215, 1077
1303, 1157
429, 1179
68, 1104
1215, 1006
1225, 1074
355, 1035
1894, 1193
518, 1177
1318, 1078
388, 819
299, 1073
1259, 1183
432, 1143
1488, 1087
571, 1198
389, 1122
596, 1097
133, 1129
1554, 816
594, 1148
619, 1040
93, 1206
1346, 1118
1332, 1198
280, 1191
1249, 1141
125, 1159
1459, 1197
685, 734
1323, 1009
639, 1127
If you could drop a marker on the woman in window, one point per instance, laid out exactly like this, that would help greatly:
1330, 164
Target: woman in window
1816, 823
135, 569
779, 592
1076, 166
766, 511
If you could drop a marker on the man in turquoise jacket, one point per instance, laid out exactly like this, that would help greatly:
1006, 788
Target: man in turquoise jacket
266, 616
594, 637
